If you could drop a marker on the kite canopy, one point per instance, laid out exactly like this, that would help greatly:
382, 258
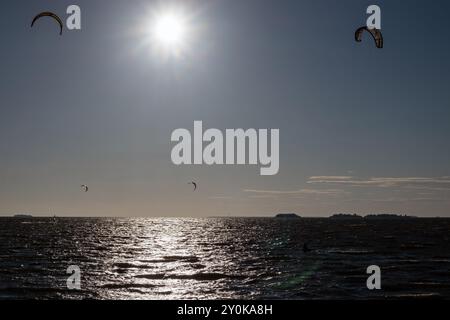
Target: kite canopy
51, 15
376, 34
194, 184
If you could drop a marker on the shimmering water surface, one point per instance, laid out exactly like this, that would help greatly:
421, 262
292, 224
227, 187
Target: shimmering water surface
246, 258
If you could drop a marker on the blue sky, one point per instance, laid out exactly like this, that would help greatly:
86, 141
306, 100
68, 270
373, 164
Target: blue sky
361, 130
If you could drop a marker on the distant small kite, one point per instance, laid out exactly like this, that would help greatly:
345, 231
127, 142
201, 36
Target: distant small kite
51, 15
194, 184
376, 34
85, 188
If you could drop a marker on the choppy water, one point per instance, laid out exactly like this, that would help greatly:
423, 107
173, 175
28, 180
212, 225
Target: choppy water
223, 258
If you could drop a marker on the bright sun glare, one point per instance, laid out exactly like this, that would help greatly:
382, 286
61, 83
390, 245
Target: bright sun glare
169, 30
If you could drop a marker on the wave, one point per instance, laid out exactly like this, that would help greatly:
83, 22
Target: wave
202, 276
129, 286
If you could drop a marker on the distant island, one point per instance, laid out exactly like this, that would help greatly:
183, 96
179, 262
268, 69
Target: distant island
23, 216
370, 216
388, 216
287, 216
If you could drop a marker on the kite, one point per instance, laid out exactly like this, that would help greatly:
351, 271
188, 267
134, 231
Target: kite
194, 184
51, 15
376, 34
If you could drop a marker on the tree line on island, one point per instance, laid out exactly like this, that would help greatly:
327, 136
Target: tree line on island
346, 216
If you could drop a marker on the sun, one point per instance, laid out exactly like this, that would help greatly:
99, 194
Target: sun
170, 30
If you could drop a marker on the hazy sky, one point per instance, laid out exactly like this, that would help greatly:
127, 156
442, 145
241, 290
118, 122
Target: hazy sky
361, 130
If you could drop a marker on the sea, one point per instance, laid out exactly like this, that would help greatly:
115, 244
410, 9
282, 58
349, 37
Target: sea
223, 258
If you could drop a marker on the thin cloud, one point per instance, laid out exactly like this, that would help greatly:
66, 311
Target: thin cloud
381, 182
263, 196
427, 188
335, 178
297, 192
404, 200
